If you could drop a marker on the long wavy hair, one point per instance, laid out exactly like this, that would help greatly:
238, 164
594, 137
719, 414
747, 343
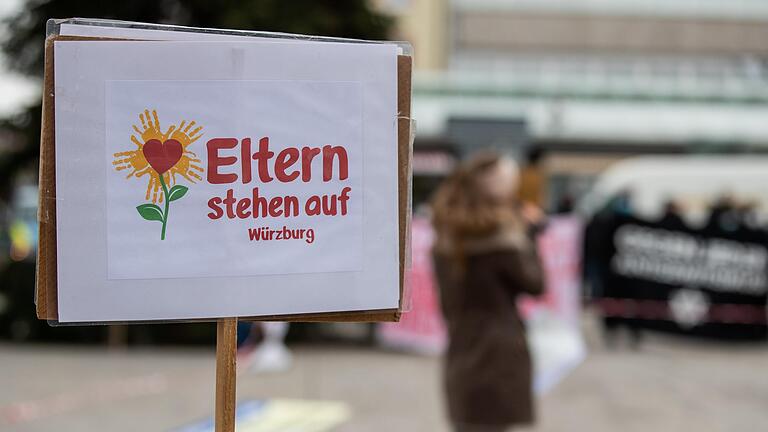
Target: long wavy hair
463, 209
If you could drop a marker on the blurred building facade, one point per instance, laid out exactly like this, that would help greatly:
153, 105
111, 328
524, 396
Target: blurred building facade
589, 82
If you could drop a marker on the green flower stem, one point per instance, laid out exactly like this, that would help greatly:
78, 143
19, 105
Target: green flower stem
167, 205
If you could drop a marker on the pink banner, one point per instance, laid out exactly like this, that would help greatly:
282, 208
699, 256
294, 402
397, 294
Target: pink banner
560, 253
422, 329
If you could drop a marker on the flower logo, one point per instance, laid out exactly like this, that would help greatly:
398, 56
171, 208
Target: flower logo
162, 156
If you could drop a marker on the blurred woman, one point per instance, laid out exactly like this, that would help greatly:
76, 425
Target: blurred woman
484, 257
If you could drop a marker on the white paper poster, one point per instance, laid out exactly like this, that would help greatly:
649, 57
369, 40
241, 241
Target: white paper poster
270, 171
209, 179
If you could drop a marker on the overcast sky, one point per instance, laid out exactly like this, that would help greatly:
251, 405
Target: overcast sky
15, 90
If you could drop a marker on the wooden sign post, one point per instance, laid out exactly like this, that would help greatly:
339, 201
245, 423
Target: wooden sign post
204, 188
226, 373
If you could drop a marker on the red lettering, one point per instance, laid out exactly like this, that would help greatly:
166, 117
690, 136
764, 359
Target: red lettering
213, 204
291, 206
307, 154
274, 207
329, 205
343, 198
312, 207
242, 206
285, 165
328, 153
259, 204
229, 201
262, 157
245, 154
215, 161
285, 159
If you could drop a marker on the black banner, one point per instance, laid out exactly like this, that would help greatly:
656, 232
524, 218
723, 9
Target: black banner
668, 276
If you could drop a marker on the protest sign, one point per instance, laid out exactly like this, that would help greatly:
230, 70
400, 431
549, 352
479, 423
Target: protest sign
216, 174
211, 178
668, 276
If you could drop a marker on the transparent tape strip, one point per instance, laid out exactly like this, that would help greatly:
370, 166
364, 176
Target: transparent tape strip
407, 302
53, 27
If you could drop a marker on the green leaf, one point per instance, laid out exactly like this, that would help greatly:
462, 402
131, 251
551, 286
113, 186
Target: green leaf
177, 192
150, 212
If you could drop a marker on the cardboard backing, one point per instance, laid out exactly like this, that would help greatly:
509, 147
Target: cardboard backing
46, 296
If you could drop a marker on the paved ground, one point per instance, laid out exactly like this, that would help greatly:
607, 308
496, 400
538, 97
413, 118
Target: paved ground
670, 384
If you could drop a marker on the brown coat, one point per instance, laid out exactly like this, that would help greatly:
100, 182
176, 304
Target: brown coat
487, 372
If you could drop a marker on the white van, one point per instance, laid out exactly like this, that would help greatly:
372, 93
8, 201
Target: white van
694, 182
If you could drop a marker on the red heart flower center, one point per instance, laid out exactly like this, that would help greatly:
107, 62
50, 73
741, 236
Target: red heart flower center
162, 156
